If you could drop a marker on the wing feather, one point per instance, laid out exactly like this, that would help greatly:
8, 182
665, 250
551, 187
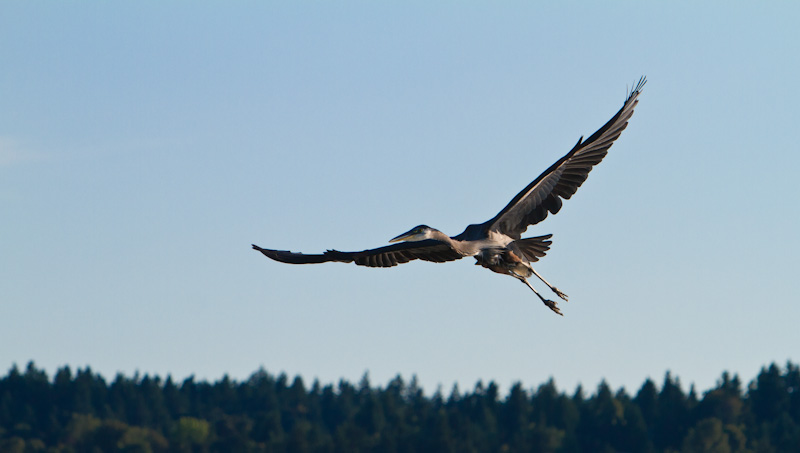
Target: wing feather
562, 179
392, 255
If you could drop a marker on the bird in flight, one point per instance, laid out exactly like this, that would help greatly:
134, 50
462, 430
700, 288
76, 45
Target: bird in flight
497, 243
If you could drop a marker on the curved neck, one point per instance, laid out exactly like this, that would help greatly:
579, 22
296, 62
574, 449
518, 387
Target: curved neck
439, 236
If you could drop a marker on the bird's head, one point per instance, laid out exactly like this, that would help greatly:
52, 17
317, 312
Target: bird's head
418, 233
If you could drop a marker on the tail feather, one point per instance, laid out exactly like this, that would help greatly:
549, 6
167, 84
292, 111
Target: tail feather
535, 247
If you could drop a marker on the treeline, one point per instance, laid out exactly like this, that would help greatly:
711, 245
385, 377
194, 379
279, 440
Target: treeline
81, 412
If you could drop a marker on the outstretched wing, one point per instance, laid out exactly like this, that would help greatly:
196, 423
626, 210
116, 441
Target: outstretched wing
563, 178
392, 255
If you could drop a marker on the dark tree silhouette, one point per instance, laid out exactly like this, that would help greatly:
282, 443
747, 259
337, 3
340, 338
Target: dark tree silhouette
77, 411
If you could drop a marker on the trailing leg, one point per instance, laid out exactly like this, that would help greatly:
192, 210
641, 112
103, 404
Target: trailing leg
549, 303
553, 288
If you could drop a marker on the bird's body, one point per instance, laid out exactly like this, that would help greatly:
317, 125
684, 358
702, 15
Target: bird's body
496, 244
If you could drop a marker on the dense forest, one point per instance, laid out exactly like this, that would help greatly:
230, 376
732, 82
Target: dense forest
81, 412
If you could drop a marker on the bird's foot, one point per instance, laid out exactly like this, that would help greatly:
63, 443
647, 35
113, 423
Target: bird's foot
560, 294
553, 306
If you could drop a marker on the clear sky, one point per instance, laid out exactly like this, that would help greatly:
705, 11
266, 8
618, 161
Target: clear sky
144, 146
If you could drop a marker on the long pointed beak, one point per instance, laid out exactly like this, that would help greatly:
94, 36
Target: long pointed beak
400, 238
405, 236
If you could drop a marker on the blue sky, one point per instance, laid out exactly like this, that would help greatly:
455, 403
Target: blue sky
145, 146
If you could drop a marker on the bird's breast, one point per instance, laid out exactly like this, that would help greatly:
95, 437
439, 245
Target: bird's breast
503, 261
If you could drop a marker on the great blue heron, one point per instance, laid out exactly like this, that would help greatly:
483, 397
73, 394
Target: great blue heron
496, 244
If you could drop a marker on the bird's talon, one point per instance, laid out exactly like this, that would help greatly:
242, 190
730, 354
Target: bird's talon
561, 294
553, 306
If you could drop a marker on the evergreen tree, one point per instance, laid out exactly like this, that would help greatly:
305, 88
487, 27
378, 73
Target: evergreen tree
672, 419
647, 402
